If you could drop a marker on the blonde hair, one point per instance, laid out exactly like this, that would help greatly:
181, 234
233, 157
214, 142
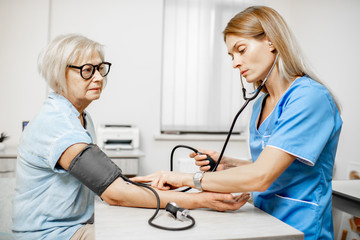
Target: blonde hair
261, 22
65, 50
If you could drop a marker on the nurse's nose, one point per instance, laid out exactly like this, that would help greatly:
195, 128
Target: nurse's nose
237, 62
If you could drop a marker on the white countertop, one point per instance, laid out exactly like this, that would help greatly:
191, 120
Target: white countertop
114, 222
347, 188
9, 152
346, 196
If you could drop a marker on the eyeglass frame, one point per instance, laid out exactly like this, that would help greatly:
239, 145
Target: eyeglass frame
94, 67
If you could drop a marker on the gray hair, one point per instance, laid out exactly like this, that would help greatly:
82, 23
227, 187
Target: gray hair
65, 50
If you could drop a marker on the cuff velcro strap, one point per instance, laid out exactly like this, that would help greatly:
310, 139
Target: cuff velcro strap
94, 169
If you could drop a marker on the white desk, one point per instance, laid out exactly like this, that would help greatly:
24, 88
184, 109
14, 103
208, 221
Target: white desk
346, 196
114, 222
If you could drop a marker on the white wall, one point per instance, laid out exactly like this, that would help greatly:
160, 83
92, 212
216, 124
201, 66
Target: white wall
23, 32
131, 30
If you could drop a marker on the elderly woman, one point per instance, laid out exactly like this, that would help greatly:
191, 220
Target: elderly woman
60, 169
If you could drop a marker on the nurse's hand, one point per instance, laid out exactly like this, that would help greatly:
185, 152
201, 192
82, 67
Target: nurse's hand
164, 180
204, 164
222, 201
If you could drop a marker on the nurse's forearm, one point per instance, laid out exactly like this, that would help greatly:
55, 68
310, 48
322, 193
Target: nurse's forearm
237, 179
230, 162
257, 176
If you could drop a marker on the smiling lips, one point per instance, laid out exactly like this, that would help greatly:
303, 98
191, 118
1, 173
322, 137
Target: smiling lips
243, 72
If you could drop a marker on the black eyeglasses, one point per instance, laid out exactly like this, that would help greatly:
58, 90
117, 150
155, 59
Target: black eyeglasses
88, 70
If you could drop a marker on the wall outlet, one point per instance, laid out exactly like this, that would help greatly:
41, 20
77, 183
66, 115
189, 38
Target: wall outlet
353, 170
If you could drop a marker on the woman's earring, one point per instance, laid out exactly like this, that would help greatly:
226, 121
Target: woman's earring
270, 43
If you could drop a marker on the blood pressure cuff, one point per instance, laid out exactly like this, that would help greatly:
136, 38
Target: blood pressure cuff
94, 169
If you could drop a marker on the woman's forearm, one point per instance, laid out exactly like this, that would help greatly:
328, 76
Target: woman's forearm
129, 195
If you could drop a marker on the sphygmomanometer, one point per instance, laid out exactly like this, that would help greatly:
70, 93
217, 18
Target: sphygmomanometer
95, 170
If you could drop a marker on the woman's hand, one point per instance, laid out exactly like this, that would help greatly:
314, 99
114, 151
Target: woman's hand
204, 164
164, 180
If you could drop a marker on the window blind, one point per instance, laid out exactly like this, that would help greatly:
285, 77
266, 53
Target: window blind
201, 92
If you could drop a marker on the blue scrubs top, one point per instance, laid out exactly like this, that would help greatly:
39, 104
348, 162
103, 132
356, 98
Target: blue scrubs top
306, 124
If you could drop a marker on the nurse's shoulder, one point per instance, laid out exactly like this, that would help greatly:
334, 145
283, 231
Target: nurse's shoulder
310, 93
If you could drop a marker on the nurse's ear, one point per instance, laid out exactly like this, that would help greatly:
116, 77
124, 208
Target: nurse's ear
271, 46
269, 43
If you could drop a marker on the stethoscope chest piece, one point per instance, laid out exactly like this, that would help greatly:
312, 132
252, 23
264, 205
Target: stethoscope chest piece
177, 212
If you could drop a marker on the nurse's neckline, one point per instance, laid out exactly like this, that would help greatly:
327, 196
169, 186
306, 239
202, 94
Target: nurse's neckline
264, 99
289, 84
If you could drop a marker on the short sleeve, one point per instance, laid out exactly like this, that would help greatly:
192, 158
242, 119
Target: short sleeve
305, 124
64, 142
61, 130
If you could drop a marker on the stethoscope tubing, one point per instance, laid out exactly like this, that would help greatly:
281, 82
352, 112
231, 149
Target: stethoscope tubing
231, 130
247, 100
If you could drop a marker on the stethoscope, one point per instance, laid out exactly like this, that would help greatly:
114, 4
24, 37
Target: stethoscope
212, 163
181, 213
